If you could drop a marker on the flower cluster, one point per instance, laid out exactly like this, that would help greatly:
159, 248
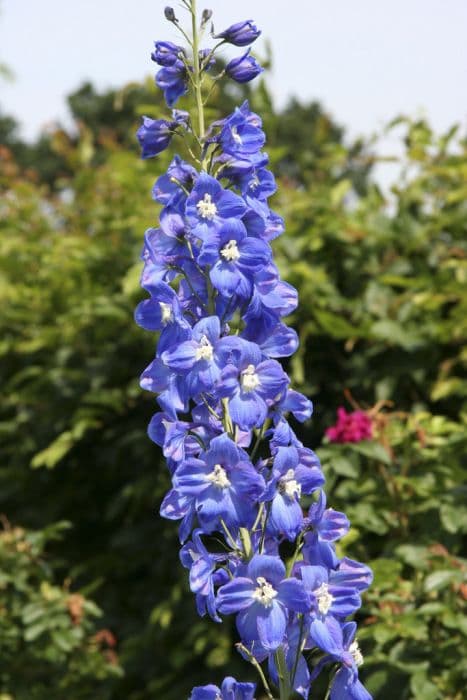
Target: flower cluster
239, 472
350, 427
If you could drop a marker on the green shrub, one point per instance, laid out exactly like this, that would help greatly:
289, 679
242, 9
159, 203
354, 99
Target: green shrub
382, 316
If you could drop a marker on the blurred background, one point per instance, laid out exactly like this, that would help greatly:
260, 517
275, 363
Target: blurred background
364, 107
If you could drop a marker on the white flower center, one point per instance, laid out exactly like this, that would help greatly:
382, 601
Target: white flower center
324, 598
218, 477
204, 351
230, 251
166, 312
357, 655
235, 135
288, 486
206, 208
254, 182
265, 593
249, 379
194, 555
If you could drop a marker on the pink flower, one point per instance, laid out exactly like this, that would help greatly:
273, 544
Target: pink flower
350, 427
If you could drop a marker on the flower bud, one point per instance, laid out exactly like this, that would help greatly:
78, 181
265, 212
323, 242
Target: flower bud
154, 136
170, 14
240, 34
206, 16
243, 68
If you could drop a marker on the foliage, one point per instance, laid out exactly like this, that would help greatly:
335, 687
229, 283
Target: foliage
382, 315
48, 640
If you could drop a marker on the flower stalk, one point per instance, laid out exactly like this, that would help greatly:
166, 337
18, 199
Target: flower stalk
240, 476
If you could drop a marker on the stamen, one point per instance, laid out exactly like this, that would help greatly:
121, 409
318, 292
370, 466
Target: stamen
265, 593
254, 182
357, 655
324, 598
249, 379
235, 135
230, 251
206, 207
204, 351
218, 477
194, 555
166, 312
288, 486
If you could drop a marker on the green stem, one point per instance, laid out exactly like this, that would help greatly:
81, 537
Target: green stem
258, 517
246, 542
299, 650
229, 534
328, 692
256, 664
197, 76
259, 437
284, 682
293, 559
263, 534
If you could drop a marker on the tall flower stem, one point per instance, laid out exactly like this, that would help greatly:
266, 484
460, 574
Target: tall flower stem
283, 673
238, 469
257, 665
197, 75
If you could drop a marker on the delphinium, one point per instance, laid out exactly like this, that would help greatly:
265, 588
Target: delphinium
240, 476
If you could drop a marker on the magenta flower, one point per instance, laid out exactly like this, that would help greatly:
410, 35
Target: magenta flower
350, 427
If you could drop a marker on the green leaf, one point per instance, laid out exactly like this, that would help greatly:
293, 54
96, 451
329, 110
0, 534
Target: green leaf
422, 688
372, 449
34, 631
335, 325
396, 334
454, 518
439, 579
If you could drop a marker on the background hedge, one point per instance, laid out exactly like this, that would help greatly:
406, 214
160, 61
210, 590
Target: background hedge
93, 600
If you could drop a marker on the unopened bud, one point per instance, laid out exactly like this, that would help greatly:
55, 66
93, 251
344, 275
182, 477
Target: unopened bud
206, 16
170, 14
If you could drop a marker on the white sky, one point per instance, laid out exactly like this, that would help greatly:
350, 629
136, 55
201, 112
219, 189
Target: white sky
366, 60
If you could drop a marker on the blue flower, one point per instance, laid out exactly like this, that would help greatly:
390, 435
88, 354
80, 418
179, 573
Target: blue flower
201, 359
340, 645
166, 53
173, 79
230, 690
325, 527
327, 596
179, 439
243, 68
299, 673
241, 133
259, 183
352, 573
240, 34
223, 485
178, 507
252, 385
165, 251
218, 303
273, 223
203, 575
167, 187
234, 258
289, 479
262, 597
154, 136
347, 686
273, 337
209, 204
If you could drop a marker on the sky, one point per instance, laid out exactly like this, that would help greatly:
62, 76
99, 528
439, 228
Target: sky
366, 60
